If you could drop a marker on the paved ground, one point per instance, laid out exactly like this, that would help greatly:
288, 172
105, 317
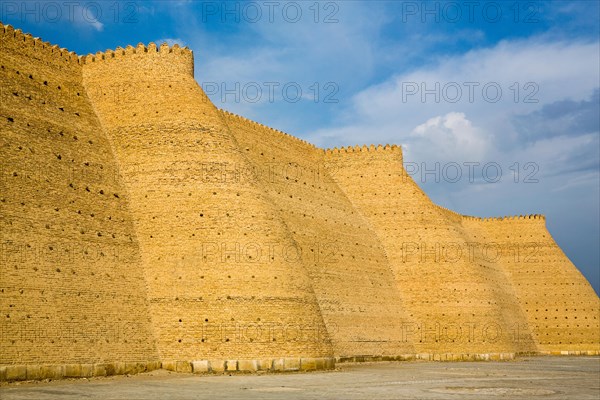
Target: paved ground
525, 378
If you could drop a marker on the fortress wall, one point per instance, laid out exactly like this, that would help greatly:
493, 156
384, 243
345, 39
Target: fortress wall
459, 305
346, 261
484, 252
139, 225
72, 293
220, 283
562, 308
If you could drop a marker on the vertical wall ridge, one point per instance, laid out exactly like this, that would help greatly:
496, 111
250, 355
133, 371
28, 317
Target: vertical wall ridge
288, 229
117, 172
68, 243
220, 286
457, 303
349, 270
560, 305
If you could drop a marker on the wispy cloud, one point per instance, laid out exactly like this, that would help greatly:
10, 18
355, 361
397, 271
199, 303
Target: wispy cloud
171, 42
490, 86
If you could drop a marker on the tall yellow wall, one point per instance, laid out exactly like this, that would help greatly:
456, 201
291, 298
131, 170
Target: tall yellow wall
561, 307
221, 283
458, 305
347, 264
72, 291
140, 225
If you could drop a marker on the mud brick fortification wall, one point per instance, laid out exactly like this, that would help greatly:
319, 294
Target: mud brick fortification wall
143, 227
560, 305
219, 283
72, 290
495, 286
459, 305
350, 272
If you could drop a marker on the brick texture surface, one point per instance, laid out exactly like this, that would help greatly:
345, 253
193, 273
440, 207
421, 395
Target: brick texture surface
141, 225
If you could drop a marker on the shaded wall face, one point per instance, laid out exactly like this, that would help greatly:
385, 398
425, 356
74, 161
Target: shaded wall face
222, 276
347, 264
71, 286
561, 307
457, 304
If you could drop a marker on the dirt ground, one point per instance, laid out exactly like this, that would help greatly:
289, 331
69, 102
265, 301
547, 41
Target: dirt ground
524, 378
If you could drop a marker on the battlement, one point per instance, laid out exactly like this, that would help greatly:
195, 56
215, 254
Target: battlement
538, 217
364, 149
36, 45
151, 49
52, 51
258, 124
455, 214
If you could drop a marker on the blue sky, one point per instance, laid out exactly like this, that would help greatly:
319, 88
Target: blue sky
510, 88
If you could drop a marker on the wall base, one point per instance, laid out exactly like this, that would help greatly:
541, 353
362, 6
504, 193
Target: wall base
462, 356
27, 372
254, 365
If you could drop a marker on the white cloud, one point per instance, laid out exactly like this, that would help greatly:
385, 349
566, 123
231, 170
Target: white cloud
304, 53
562, 163
86, 15
543, 73
97, 25
171, 42
449, 137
